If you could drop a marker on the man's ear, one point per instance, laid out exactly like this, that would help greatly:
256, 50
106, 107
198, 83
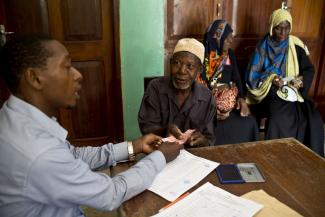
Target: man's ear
200, 69
33, 78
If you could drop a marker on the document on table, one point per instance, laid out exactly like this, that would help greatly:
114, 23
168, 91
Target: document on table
181, 174
272, 206
209, 200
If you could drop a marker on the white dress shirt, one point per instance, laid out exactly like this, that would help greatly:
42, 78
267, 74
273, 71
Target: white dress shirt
41, 174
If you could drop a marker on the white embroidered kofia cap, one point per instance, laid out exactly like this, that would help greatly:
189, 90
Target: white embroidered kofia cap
190, 45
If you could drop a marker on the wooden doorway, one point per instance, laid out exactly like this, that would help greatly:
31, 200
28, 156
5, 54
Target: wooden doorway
89, 30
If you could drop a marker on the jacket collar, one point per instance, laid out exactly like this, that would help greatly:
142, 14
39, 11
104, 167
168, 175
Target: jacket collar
194, 97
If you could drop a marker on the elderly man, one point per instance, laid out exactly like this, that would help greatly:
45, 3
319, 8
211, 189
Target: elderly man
175, 104
41, 173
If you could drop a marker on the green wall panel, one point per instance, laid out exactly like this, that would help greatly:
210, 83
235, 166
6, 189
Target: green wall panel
142, 54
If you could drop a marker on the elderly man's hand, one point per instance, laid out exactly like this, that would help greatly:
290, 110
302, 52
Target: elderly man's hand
197, 139
173, 130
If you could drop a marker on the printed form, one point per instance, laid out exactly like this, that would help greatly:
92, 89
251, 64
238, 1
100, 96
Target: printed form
181, 174
209, 200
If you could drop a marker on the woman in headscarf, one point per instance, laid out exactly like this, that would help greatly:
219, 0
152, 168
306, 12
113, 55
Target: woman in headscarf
278, 79
233, 122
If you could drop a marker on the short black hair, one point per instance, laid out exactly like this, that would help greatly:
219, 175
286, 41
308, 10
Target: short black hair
20, 53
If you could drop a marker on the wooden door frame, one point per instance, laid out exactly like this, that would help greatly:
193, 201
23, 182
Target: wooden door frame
116, 17
119, 126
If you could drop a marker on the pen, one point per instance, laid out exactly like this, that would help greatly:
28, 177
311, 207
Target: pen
175, 201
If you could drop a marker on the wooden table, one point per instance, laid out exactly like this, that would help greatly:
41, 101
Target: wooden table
294, 175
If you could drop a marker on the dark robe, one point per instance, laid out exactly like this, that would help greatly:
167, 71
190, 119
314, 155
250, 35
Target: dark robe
235, 129
294, 119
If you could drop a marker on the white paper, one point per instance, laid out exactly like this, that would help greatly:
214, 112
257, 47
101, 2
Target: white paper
209, 200
181, 174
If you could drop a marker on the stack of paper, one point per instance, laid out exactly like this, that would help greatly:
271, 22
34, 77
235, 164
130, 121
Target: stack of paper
272, 206
211, 201
181, 174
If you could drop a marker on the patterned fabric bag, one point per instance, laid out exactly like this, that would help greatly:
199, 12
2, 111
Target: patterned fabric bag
225, 97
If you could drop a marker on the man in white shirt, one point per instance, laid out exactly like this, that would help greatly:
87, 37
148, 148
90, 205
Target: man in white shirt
41, 173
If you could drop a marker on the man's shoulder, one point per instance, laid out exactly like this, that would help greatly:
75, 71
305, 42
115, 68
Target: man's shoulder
24, 136
158, 81
160, 84
203, 91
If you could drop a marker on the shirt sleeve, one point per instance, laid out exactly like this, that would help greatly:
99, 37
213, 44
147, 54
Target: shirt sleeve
101, 157
57, 178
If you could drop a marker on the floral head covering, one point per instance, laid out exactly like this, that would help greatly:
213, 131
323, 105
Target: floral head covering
215, 58
215, 36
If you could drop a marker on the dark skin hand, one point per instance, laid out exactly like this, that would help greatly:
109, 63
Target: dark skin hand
297, 83
151, 142
175, 131
196, 139
277, 81
146, 144
244, 109
170, 150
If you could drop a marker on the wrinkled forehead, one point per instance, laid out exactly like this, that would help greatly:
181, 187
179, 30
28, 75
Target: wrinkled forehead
186, 56
283, 24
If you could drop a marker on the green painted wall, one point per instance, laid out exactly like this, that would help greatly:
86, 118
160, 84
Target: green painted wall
142, 54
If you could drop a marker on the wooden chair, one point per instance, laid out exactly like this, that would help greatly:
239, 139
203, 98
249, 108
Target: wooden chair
146, 80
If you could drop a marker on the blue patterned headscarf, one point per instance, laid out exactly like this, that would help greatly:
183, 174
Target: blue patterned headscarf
268, 58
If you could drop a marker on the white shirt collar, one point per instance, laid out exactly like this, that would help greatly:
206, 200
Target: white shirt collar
49, 124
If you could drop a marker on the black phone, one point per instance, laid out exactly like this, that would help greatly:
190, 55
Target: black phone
229, 173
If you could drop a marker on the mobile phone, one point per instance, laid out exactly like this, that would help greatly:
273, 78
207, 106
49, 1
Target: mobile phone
229, 173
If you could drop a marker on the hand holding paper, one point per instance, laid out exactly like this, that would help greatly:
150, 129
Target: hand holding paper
170, 150
179, 137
